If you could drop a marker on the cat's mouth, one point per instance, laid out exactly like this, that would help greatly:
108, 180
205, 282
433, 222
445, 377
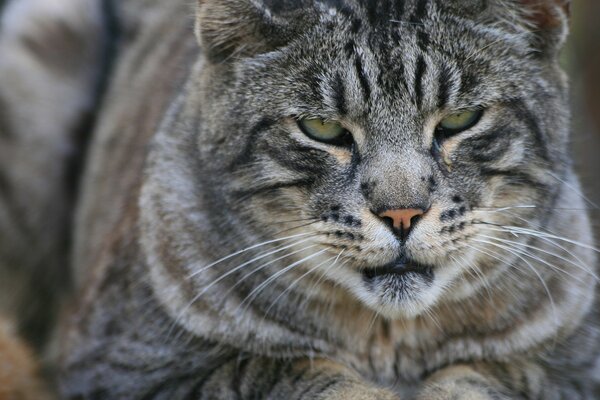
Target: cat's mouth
399, 268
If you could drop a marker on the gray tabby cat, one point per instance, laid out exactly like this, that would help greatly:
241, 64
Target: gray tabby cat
337, 199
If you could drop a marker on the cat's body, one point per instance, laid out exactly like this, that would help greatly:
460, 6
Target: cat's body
196, 161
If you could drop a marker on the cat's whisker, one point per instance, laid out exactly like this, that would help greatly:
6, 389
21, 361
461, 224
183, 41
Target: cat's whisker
532, 268
371, 323
553, 243
263, 266
231, 241
575, 190
327, 270
541, 234
395, 21
497, 256
547, 240
252, 295
237, 253
300, 226
429, 313
499, 209
579, 265
229, 273
523, 252
297, 280
474, 271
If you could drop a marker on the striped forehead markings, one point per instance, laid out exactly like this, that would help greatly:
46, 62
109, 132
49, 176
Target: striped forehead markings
363, 78
339, 93
444, 86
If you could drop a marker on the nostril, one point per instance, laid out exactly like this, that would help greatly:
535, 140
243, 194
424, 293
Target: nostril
388, 221
415, 219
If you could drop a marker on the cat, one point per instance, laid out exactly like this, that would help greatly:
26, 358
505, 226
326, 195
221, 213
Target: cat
337, 199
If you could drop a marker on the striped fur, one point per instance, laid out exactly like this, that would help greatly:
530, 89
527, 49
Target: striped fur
219, 253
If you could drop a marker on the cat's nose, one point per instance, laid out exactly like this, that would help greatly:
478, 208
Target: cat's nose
402, 220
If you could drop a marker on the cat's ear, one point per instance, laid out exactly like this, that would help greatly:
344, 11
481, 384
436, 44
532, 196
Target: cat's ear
548, 20
237, 28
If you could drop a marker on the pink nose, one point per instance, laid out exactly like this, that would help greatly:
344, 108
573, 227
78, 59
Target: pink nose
402, 219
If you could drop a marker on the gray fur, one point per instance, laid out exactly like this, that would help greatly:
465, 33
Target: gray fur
179, 298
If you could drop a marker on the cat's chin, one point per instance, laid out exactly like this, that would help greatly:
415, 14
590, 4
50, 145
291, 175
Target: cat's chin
401, 289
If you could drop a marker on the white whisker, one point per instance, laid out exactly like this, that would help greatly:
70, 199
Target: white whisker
260, 287
295, 282
245, 250
518, 254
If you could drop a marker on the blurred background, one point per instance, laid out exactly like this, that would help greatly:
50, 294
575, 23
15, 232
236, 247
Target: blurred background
582, 60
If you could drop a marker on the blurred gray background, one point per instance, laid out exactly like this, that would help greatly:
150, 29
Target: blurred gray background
582, 60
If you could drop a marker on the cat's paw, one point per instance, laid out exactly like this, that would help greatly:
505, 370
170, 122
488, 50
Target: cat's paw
452, 391
459, 383
358, 392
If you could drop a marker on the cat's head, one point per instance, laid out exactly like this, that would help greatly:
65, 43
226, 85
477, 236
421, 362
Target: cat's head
398, 143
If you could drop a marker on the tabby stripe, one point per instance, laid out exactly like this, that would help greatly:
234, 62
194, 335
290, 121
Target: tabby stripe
523, 113
444, 85
398, 9
166, 387
299, 375
356, 25
258, 389
515, 177
354, 164
327, 385
362, 78
422, 35
383, 11
423, 40
420, 12
468, 83
344, 9
198, 388
339, 94
247, 153
491, 146
371, 8
240, 371
349, 49
279, 371
310, 386
304, 165
274, 186
481, 385
419, 74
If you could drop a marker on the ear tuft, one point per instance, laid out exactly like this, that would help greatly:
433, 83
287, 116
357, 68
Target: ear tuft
229, 28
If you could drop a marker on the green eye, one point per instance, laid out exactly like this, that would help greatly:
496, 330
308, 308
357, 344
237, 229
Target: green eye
460, 122
325, 131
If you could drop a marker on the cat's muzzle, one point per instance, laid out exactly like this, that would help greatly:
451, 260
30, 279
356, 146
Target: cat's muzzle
400, 267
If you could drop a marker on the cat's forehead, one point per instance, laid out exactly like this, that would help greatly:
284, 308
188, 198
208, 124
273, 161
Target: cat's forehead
381, 10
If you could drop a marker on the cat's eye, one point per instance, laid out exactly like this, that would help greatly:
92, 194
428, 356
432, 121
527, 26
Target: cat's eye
329, 132
459, 122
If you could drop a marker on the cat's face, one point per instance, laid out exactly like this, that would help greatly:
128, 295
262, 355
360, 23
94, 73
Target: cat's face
371, 119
